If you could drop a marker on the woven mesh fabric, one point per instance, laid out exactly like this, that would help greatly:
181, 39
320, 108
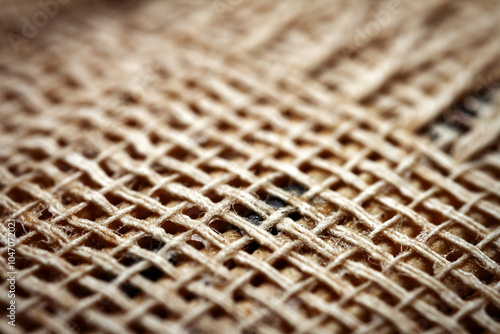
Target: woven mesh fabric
251, 166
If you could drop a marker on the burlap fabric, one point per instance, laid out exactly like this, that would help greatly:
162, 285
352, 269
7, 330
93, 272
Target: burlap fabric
250, 166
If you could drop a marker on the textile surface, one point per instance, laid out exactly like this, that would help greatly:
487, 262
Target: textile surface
236, 166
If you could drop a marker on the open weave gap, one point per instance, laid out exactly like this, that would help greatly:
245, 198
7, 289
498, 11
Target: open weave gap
255, 167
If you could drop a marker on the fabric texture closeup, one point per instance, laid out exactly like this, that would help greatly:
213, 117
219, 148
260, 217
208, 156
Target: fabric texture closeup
237, 166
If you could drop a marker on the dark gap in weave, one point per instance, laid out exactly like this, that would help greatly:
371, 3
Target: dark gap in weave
134, 153
221, 226
43, 180
434, 299
141, 212
294, 216
41, 242
78, 290
139, 183
388, 245
325, 292
44, 214
87, 181
172, 228
196, 244
20, 196
129, 289
107, 306
242, 112
326, 155
213, 95
248, 214
113, 137
25, 322
99, 242
91, 212
214, 196
454, 255
353, 279
238, 296
238, 182
459, 116
23, 262
275, 202
160, 312
229, 153
129, 98
423, 323
459, 287
165, 197
492, 170
137, 327
152, 273
230, 264
154, 138
150, 243
268, 127
186, 294
287, 184
272, 201
68, 198
18, 170
209, 169
255, 219
132, 123
276, 321
225, 126
420, 262
180, 153
175, 123
80, 324
102, 274
273, 230
484, 218
263, 100
113, 199
176, 258
63, 166
129, 259
492, 311
48, 274
456, 118
160, 169
364, 257
433, 216
87, 148
292, 115
50, 308
193, 212
258, 279
187, 181
36, 154
74, 259
119, 228
260, 170
472, 326
280, 264
85, 124
20, 228
217, 312
251, 247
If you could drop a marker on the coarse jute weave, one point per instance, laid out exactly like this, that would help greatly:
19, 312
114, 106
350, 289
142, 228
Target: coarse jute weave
237, 166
